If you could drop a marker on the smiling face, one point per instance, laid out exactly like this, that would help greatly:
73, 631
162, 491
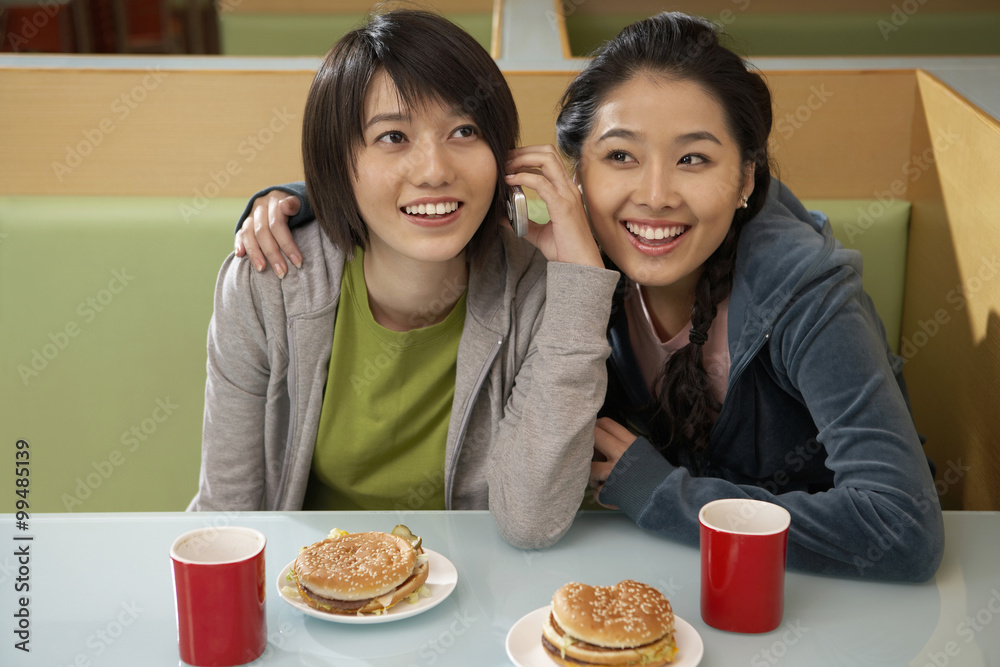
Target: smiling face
425, 177
662, 177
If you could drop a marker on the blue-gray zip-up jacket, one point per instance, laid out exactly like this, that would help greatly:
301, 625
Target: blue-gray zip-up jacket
816, 416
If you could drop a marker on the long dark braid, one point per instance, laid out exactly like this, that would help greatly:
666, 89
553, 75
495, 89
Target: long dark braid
688, 48
686, 406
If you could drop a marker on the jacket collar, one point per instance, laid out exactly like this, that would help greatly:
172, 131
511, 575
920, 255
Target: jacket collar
779, 252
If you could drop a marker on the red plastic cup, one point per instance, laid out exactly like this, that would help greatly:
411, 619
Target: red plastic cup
743, 548
219, 590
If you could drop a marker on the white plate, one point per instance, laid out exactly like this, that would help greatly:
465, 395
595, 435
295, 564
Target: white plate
524, 642
441, 581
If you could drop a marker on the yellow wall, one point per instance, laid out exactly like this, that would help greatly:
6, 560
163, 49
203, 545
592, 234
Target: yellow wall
951, 319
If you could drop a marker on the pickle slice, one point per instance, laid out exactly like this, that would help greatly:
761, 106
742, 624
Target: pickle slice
404, 532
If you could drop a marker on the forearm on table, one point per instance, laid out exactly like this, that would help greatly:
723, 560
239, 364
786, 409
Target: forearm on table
540, 468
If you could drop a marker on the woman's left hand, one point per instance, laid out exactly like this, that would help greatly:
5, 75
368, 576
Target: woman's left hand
567, 236
611, 439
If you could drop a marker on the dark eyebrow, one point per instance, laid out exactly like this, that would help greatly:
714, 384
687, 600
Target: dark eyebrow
619, 133
397, 117
692, 137
387, 117
689, 138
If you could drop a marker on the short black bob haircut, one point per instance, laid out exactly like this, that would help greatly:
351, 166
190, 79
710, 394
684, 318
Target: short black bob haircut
428, 58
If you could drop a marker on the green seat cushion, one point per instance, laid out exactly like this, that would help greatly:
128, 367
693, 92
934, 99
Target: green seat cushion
888, 33
880, 231
104, 311
312, 34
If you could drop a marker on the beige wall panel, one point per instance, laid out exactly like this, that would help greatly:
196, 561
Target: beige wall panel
187, 126
170, 131
537, 95
149, 133
951, 327
830, 140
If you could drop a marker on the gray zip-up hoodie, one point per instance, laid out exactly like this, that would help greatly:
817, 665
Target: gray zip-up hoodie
530, 379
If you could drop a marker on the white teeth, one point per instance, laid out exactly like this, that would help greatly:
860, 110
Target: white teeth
654, 233
441, 208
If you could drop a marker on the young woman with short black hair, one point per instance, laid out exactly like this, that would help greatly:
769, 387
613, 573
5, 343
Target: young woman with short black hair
422, 356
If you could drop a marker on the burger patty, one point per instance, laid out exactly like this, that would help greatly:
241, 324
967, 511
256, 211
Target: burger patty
349, 605
555, 650
633, 655
583, 644
346, 605
552, 648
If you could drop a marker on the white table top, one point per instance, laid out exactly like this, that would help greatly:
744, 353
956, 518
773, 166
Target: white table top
101, 594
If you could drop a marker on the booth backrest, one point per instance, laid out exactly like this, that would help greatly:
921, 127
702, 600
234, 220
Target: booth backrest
104, 310
880, 231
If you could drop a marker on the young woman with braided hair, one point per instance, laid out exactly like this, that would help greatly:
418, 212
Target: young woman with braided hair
746, 361
745, 353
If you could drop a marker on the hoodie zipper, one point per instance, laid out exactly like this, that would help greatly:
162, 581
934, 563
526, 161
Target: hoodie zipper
290, 379
465, 419
752, 351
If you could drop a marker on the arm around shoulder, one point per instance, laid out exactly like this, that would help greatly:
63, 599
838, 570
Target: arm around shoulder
296, 189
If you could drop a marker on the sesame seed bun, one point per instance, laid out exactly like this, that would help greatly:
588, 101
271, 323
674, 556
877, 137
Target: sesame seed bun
629, 623
359, 572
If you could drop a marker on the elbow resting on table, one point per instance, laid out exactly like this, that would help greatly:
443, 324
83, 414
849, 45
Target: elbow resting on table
922, 548
921, 563
539, 534
913, 557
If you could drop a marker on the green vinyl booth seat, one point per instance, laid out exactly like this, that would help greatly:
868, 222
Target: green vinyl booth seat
880, 231
293, 34
104, 310
945, 31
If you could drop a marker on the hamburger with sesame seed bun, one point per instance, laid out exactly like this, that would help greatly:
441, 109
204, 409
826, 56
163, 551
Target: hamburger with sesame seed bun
360, 573
626, 624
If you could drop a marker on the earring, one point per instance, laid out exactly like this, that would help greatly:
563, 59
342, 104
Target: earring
743, 202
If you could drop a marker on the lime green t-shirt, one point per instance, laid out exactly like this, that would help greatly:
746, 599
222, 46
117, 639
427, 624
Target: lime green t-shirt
386, 408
